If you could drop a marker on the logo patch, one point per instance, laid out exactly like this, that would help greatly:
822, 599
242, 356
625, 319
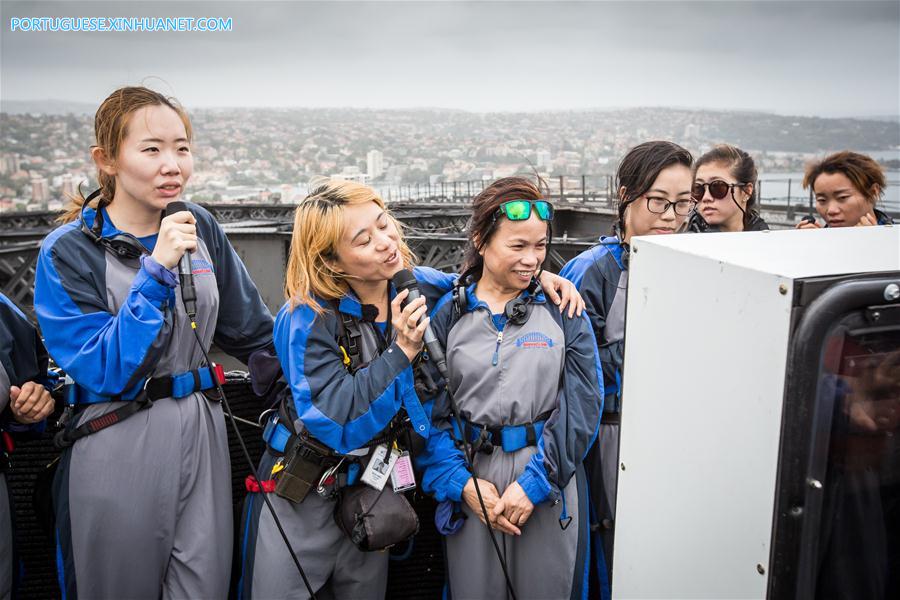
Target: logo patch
200, 267
535, 339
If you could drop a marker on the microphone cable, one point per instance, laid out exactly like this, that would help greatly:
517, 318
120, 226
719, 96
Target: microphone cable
405, 279
246, 453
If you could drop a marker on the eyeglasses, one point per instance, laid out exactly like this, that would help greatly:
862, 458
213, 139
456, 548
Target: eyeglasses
659, 206
520, 210
718, 189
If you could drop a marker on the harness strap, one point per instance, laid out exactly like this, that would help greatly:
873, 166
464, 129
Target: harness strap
276, 435
508, 438
176, 386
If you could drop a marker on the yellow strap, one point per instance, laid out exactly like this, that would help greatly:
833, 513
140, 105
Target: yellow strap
278, 466
346, 356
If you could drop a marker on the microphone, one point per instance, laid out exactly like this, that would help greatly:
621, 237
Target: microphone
185, 274
405, 280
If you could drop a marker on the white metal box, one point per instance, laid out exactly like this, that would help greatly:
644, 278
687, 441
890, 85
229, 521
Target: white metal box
708, 330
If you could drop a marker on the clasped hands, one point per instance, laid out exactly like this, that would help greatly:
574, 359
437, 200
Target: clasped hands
30, 403
507, 513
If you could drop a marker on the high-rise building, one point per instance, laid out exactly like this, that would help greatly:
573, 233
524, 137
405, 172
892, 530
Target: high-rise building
40, 190
68, 188
544, 158
287, 193
374, 164
691, 131
9, 163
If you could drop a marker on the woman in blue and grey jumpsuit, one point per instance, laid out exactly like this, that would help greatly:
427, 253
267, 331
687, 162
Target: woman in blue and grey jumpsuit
527, 382
25, 402
347, 352
346, 349
143, 491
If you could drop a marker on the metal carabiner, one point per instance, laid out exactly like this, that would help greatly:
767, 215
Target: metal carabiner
264, 416
320, 488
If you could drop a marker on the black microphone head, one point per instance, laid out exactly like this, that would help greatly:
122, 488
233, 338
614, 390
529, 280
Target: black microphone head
404, 279
174, 207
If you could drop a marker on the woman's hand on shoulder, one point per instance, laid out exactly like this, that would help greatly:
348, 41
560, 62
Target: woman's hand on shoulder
562, 292
409, 323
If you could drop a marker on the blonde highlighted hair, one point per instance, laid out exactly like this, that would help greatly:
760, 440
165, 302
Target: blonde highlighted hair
110, 130
318, 230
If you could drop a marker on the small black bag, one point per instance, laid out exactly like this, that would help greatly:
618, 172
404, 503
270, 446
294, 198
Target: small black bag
375, 520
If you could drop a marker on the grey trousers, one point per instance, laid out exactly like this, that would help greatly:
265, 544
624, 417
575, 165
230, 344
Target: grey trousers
334, 566
143, 508
545, 562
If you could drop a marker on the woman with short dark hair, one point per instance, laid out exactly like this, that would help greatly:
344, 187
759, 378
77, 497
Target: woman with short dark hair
847, 186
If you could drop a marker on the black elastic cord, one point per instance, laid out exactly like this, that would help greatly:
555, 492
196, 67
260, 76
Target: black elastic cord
259, 481
471, 460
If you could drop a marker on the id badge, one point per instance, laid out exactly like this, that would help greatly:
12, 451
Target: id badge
402, 476
380, 465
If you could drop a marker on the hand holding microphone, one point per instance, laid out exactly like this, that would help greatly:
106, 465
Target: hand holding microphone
407, 320
177, 239
405, 280
177, 235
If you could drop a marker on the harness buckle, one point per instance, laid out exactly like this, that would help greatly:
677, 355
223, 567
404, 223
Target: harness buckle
484, 443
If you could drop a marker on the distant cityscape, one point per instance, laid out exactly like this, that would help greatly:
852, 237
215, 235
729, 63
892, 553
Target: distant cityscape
270, 155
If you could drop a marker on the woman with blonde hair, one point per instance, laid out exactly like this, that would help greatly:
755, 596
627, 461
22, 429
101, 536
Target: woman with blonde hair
142, 493
351, 355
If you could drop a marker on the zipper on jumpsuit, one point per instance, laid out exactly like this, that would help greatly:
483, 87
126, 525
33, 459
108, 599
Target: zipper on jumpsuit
496, 357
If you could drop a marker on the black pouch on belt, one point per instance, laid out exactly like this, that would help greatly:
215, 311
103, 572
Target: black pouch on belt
375, 520
305, 460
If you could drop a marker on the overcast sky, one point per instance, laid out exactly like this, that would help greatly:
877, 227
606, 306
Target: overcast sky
805, 58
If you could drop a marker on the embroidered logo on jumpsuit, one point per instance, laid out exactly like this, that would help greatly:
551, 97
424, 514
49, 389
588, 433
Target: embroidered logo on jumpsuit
200, 267
535, 339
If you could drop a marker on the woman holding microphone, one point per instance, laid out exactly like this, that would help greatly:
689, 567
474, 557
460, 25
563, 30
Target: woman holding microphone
142, 494
351, 356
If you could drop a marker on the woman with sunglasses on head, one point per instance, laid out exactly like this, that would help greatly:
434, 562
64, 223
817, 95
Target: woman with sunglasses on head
654, 189
142, 493
527, 385
350, 352
847, 186
725, 191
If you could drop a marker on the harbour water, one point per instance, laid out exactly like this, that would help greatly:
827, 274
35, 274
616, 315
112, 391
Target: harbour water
775, 187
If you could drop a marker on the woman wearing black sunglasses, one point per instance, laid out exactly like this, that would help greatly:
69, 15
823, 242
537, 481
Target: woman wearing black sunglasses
725, 191
654, 186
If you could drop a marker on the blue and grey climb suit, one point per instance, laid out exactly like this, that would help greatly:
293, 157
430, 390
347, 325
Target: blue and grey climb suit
143, 507
22, 359
601, 276
344, 411
539, 380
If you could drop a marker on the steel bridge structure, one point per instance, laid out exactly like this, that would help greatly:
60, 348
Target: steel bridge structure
434, 230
